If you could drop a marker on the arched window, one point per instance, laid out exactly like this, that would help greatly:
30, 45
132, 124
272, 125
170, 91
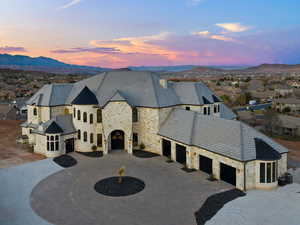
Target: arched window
78, 115
74, 112
79, 134
34, 111
99, 116
85, 136
91, 138
135, 116
84, 117
91, 118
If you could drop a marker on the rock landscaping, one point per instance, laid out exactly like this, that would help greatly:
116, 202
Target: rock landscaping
65, 161
112, 187
144, 154
95, 154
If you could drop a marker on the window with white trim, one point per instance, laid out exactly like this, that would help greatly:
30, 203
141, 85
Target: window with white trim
268, 172
52, 143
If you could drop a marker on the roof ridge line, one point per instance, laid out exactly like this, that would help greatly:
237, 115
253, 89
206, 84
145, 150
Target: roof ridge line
242, 141
193, 127
105, 74
51, 93
154, 88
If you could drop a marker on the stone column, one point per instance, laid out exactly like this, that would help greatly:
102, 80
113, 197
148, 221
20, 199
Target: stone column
173, 150
216, 169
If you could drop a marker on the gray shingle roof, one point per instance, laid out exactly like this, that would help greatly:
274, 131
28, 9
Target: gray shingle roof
63, 121
231, 138
139, 88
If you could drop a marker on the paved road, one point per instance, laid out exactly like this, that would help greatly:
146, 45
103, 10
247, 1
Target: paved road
16, 184
255, 107
171, 196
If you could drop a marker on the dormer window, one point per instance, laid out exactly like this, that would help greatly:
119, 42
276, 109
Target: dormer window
135, 116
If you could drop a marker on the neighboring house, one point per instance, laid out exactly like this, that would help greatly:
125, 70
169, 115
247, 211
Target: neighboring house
283, 104
287, 125
184, 121
295, 84
263, 96
284, 90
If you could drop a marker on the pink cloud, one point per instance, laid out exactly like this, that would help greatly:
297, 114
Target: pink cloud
11, 49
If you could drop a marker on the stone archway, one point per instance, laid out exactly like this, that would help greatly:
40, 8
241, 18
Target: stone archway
117, 140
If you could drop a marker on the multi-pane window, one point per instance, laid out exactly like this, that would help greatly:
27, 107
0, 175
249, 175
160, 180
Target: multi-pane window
84, 117
135, 116
268, 172
34, 111
99, 116
78, 115
79, 134
215, 108
53, 143
99, 140
135, 139
85, 136
91, 118
91, 138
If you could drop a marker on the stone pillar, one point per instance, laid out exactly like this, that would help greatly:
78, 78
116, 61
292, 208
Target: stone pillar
173, 150
189, 158
129, 150
216, 169
105, 149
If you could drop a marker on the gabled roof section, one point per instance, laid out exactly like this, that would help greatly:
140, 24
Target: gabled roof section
85, 97
264, 151
230, 138
216, 99
118, 97
205, 101
53, 128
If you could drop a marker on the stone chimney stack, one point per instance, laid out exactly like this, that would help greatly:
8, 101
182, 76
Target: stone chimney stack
163, 83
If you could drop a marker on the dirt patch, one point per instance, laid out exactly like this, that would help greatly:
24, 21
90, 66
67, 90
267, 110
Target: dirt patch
12, 153
293, 146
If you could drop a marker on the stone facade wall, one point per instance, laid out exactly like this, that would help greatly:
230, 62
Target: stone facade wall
91, 128
282, 164
117, 116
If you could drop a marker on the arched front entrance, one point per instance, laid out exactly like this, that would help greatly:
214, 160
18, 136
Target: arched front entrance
117, 139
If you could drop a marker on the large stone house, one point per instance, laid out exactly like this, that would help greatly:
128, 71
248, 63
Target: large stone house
184, 121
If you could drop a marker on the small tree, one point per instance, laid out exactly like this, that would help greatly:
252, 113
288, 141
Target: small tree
121, 173
142, 146
94, 148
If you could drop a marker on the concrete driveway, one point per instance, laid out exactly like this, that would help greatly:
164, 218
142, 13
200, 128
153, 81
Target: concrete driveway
16, 184
171, 196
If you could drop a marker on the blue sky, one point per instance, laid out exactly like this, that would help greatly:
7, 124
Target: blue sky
118, 33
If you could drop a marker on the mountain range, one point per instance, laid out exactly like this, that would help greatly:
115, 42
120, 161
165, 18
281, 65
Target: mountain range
44, 64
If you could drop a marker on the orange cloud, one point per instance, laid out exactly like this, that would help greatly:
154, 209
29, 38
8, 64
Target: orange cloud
233, 27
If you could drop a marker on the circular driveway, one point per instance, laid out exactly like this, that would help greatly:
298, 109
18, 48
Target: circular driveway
171, 196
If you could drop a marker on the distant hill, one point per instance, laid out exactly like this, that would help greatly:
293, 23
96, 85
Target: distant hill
275, 68
44, 64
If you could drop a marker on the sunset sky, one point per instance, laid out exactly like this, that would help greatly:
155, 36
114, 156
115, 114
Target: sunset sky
120, 33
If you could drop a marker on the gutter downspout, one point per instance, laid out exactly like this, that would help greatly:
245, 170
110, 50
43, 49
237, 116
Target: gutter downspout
245, 189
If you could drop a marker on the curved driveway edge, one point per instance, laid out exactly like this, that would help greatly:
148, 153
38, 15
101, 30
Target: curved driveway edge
16, 184
276, 207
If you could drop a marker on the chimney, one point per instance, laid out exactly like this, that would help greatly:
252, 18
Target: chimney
163, 83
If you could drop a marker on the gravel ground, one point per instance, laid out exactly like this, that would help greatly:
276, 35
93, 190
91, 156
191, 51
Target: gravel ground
258, 207
15, 189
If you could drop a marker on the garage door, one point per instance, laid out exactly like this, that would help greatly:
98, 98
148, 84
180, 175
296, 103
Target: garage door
181, 154
205, 164
166, 147
228, 173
